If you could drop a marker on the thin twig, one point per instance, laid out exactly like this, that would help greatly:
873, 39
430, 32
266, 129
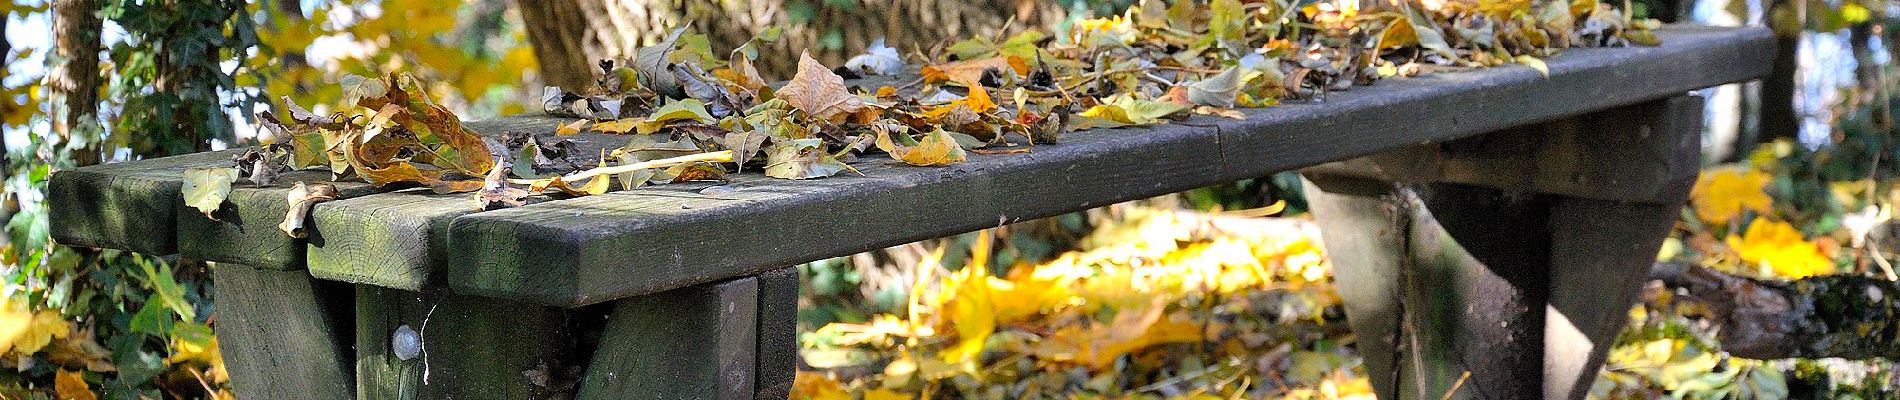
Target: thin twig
1455, 385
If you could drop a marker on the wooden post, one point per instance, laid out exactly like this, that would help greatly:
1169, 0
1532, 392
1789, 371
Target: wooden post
696, 342
281, 333
777, 333
1510, 256
463, 347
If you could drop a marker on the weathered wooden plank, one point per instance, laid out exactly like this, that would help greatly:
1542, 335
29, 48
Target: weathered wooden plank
1622, 154
600, 248
689, 343
128, 205
469, 347
245, 230
623, 244
1441, 107
1364, 236
284, 335
1601, 250
777, 331
398, 239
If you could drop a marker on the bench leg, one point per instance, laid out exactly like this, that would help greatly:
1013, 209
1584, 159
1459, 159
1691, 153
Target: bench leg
1511, 257
471, 347
697, 342
280, 335
777, 334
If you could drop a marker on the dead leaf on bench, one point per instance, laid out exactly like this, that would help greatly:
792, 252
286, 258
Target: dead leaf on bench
206, 188
936, 147
819, 92
801, 159
301, 197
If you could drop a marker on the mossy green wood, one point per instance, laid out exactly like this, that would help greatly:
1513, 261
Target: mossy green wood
399, 239
577, 252
284, 335
246, 230
471, 347
129, 205
696, 342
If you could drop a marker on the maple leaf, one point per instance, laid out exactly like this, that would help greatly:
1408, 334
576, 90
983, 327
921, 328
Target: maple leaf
206, 188
819, 92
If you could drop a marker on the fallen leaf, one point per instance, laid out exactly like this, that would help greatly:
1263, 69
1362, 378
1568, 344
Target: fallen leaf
936, 148
1218, 90
877, 59
819, 92
745, 144
71, 385
972, 70
205, 188
300, 198
801, 159
570, 128
1535, 63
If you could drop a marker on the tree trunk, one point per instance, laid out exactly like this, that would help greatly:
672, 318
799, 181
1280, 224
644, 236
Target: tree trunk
1843, 316
570, 36
74, 83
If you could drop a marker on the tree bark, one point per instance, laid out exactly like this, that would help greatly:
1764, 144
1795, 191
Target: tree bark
74, 83
1843, 316
570, 36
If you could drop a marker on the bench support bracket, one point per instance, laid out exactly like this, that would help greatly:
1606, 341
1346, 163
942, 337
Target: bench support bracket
1512, 256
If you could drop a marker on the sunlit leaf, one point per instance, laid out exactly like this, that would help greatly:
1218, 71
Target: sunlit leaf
206, 188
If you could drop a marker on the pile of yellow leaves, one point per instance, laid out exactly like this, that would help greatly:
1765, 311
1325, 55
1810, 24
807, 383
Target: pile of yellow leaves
1159, 303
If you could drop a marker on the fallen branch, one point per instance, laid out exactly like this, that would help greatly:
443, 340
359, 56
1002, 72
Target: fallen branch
1845, 316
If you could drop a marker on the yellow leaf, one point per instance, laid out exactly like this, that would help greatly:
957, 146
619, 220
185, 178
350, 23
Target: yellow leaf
819, 92
205, 188
810, 385
974, 316
571, 128
624, 125
1721, 194
936, 148
885, 394
1535, 63
1778, 247
71, 385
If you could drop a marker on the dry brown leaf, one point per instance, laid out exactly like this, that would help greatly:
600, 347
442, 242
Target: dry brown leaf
301, 197
819, 92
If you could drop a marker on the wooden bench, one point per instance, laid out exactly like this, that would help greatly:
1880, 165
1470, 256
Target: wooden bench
1493, 221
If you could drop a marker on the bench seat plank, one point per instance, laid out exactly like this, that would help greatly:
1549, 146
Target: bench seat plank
600, 248
127, 205
398, 239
